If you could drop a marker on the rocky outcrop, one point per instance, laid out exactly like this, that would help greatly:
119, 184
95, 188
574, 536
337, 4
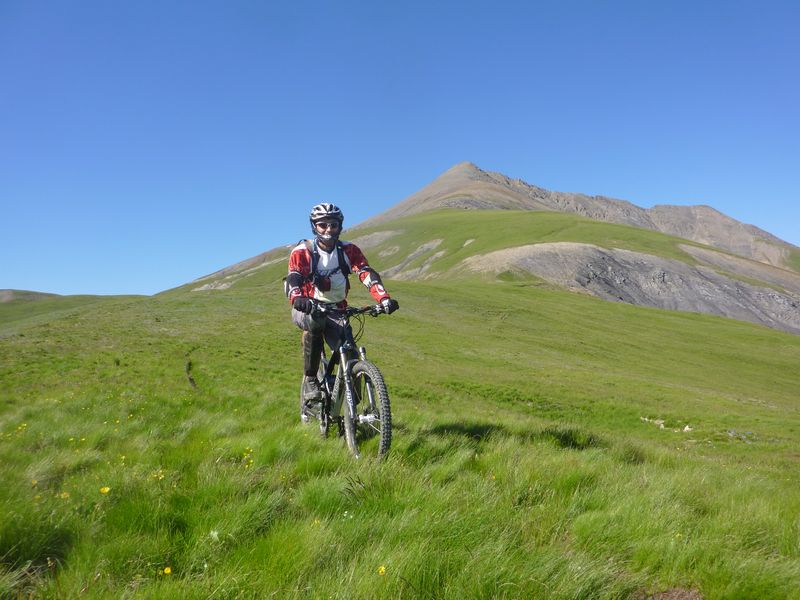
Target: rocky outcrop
709, 226
646, 280
401, 271
744, 268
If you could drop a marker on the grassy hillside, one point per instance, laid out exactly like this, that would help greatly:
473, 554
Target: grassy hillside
547, 444
492, 230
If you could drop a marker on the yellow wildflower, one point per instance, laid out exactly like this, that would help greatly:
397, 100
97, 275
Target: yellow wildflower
382, 570
105, 489
167, 570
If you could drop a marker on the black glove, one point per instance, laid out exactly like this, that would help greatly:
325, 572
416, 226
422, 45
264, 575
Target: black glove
389, 305
303, 304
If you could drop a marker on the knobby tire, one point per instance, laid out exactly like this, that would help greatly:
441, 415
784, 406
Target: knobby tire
367, 377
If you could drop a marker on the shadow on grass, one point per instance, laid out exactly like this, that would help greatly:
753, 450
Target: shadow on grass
445, 438
475, 431
35, 545
572, 438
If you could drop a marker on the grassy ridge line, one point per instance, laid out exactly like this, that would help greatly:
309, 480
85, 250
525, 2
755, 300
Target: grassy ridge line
34, 308
519, 436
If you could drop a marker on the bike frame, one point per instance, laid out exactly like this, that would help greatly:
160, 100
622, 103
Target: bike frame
345, 356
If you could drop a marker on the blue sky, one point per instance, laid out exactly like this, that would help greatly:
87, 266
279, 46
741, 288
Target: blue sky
145, 144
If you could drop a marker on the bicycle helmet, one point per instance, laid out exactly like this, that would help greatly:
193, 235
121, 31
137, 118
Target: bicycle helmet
326, 211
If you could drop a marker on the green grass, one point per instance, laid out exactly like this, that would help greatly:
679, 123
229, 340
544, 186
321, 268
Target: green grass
794, 260
527, 458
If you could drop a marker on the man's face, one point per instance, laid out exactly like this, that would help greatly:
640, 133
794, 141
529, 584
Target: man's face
327, 226
327, 232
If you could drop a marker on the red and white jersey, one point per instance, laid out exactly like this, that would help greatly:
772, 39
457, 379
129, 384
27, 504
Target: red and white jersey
332, 285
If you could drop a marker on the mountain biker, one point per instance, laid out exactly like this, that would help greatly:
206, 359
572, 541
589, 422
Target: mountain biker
318, 271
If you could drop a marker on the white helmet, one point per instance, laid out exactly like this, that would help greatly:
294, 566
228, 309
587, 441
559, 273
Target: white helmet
326, 211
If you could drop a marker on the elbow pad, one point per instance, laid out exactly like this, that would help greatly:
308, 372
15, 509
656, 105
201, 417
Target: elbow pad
370, 277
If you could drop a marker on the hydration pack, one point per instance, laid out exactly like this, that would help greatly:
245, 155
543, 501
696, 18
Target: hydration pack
322, 283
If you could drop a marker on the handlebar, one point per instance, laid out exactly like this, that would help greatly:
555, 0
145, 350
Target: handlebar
350, 311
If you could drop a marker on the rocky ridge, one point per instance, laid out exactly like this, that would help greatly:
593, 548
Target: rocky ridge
466, 186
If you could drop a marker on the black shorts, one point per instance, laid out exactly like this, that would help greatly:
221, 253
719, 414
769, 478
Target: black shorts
330, 327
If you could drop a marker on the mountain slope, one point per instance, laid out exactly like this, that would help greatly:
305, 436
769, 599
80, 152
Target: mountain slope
467, 186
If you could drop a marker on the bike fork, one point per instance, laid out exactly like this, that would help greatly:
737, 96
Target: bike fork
349, 394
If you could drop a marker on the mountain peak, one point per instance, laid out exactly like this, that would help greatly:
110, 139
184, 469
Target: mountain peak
464, 167
463, 171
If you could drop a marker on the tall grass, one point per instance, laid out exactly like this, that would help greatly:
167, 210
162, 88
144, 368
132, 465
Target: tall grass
546, 445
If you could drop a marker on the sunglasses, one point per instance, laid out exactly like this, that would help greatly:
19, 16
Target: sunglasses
327, 225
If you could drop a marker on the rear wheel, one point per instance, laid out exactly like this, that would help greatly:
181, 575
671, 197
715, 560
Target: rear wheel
374, 421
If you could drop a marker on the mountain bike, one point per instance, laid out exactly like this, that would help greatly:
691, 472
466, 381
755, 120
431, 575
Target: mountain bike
354, 395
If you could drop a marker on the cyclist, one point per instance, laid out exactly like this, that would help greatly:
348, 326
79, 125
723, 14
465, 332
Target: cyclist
319, 270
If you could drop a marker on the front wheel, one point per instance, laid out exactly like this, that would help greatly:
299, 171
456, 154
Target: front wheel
374, 415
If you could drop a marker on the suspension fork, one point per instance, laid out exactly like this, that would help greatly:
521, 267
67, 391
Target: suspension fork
349, 392
346, 373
